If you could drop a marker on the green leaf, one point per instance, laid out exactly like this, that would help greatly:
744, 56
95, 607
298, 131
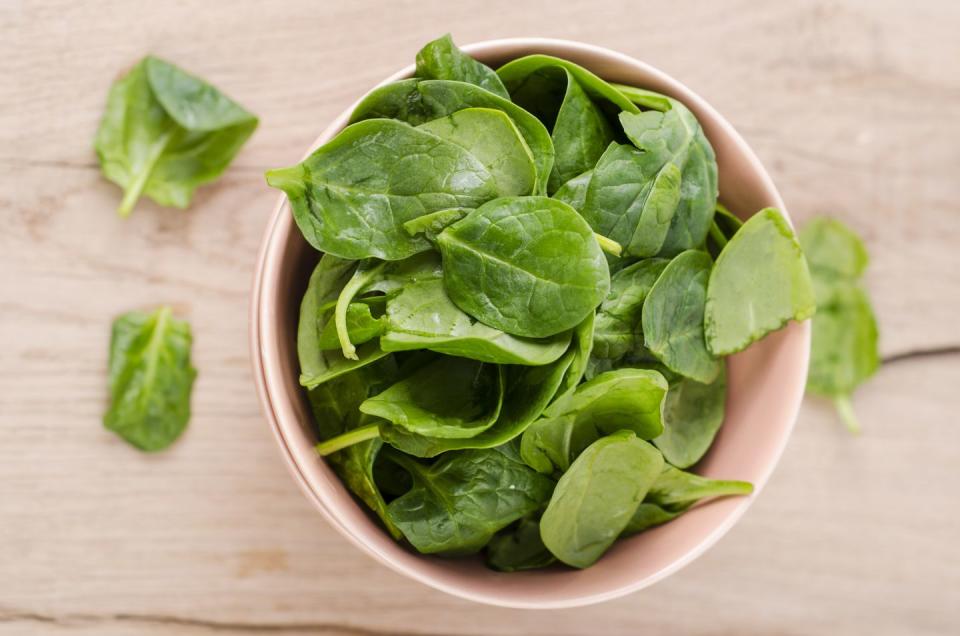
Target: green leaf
440, 516
432, 224
442, 60
692, 415
673, 315
833, 251
316, 364
529, 266
617, 330
419, 101
519, 548
151, 378
675, 138
446, 398
647, 516
759, 283
582, 346
574, 191
165, 132
528, 391
596, 498
677, 490
422, 316
647, 99
352, 196
625, 399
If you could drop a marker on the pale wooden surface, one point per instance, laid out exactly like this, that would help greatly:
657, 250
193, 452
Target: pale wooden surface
852, 105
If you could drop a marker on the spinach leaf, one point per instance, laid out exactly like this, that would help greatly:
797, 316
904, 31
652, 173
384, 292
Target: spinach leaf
529, 266
439, 515
844, 348
515, 72
151, 378
632, 199
361, 323
692, 415
519, 548
579, 130
647, 516
647, 99
432, 224
316, 364
625, 399
441, 59
618, 330
352, 196
574, 191
422, 316
528, 391
675, 489
673, 315
760, 282
595, 499
448, 398
165, 132
676, 138
419, 101
581, 347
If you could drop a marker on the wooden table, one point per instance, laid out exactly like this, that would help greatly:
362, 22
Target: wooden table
853, 106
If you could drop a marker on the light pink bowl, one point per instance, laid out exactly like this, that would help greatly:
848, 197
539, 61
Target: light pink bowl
765, 384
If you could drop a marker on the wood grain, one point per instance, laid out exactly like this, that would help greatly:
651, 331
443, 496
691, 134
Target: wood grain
852, 105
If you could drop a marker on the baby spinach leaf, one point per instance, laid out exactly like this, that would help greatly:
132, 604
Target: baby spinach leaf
672, 317
491, 136
625, 399
595, 499
151, 378
617, 330
165, 132
647, 99
692, 415
422, 316
362, 326
834, 253
316, 364
447, 398
529, 266
352, 196
760, 282
528, 391
439, 515
676, 138
513, 73
519, 548
647, 516
441, 59
574, 191
355, 466
677, 490
579, 130
432, 224
632, 199
419, 101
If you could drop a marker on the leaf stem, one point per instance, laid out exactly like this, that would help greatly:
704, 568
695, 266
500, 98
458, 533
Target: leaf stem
845, 409
717, 235
608, 245
349, 438
133, 191
363, 275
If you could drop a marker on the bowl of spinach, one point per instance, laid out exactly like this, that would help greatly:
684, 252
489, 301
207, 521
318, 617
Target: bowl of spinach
529, 322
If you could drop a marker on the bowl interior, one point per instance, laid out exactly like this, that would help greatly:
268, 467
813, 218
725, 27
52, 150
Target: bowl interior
765, 385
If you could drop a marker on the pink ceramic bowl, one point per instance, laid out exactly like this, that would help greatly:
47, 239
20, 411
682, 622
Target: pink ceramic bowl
766, 384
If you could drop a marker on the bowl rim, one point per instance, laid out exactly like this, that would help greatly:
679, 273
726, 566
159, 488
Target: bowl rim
256, 340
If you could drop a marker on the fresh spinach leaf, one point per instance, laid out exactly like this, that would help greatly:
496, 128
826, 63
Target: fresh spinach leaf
352, 196
529, 266
625, 399
595, 499
647, 516
692, 415
519, 548
649, 100
673, 317
419, 101
574, 191
675, 489
422, 316
166, 132
447, 398
151, 378
439, 515
844, 348
432, 224
675, 138
318, 365
528, 391
618, 329
759, 283
441, 59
